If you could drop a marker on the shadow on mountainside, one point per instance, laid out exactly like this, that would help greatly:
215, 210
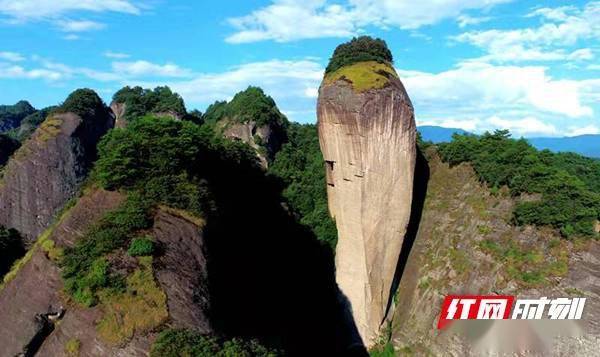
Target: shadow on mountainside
421, 181
269, 276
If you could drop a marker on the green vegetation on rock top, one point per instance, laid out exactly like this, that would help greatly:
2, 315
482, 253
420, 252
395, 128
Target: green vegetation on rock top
363, 75
360, 49
85, 103
139, 101
12, 115
251, 104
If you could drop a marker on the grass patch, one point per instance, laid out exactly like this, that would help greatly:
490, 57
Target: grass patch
194, 218
54, 253
50, 128
142, 246
72, 347
363, 75
84, 272
140, 308
530, 267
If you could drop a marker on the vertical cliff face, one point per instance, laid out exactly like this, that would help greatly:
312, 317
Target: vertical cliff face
367, 135
47, 170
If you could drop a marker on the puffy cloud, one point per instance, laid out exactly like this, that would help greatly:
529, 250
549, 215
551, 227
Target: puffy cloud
18, 72
588, 129
116, 55
11, 56
474, 87
149, 69
79, 26
562, 27
289, 20
21, 10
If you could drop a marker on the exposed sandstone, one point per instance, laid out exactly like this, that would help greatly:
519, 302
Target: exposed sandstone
448, 257
180, 269
118, 110
47, 171
368, 139
38, 286
266, 140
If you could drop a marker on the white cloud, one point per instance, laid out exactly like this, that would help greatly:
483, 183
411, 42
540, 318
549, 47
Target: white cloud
293, 84
589, 129
79, 26
22, 10
561, 28
145, 68
11, 56
473, 87
289, 20
71, 37
523, 127
466, 20
470, 125
18, 72
116, 55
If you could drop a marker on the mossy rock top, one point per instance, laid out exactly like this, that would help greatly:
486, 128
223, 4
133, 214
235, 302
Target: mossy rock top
363, 75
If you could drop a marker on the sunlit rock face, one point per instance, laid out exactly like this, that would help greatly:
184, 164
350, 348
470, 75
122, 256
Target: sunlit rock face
368, 139
48, 170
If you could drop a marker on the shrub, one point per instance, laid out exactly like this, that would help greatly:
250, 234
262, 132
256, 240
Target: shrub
72, 347
251, 104
140, 308
84, 269
361, 49
85, 103
568, 183
300, 165
140, 247
174, 343
140, 102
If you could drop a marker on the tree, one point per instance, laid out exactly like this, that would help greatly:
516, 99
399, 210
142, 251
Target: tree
360, 49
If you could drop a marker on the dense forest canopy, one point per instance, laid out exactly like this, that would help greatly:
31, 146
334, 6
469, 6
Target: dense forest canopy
251, 104
12, 115
299, 164
30, 123
84, 102
568, 183
139, 101
360, 49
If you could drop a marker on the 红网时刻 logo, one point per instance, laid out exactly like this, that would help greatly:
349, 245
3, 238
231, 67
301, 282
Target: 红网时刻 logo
504, 307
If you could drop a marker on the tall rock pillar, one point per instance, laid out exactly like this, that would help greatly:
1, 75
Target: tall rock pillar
368, 138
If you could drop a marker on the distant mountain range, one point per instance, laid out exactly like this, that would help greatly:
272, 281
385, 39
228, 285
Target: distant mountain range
586, 145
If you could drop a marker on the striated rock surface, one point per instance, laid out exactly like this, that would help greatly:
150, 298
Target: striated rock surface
466, 245
368, 139
37, 286
180, 269
47, 171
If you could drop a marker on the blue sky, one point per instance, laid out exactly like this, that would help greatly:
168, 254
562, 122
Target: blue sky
528, 66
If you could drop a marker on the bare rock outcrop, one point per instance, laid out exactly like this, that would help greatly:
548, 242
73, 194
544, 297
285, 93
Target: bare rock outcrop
37, 288
368, 139
266, 140
47, 171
